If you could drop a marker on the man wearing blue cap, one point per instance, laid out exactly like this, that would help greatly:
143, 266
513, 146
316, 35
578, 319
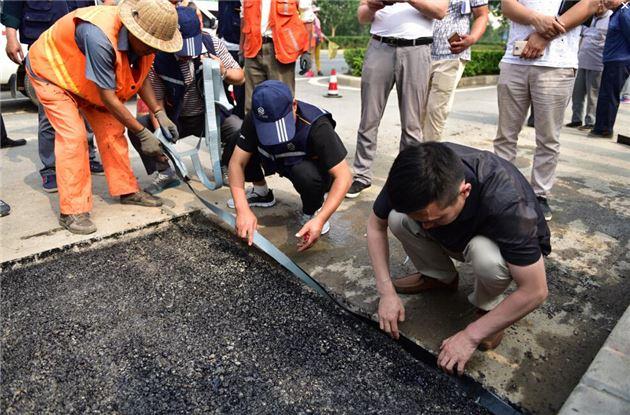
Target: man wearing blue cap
177, 81
298, 141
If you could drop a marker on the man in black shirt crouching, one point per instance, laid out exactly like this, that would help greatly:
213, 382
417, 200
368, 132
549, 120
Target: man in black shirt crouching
298, 141
443, 201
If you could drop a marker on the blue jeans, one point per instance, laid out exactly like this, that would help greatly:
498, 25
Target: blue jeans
614, 76
46, 143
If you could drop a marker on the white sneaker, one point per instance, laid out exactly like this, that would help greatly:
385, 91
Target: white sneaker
305, 218
256, 200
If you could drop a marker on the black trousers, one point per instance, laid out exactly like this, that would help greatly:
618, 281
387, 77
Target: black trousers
307, 178
613, 78
195, 125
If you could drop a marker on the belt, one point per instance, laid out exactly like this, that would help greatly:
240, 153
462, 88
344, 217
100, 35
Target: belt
267, 39
394, 41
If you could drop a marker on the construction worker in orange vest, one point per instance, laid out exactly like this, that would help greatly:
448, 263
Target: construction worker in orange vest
90, 62
273, 35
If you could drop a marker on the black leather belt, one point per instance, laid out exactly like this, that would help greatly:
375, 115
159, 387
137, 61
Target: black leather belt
394, 41
267, 39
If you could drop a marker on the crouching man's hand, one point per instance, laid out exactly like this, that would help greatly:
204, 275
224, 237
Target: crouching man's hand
246, 225
390, 312
309, 234
456, 351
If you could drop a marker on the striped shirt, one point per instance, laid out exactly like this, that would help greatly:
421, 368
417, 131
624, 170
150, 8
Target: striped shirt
193, 101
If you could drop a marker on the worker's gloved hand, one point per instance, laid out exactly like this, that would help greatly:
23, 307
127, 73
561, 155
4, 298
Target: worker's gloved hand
149, 143
305, 63
169, 129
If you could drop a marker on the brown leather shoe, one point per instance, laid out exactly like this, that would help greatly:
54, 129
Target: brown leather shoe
491, 342
417, 283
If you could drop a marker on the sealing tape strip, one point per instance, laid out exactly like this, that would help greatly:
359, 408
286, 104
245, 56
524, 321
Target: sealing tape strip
474, 389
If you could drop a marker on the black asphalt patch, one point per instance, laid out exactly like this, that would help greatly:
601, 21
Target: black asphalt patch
187, 320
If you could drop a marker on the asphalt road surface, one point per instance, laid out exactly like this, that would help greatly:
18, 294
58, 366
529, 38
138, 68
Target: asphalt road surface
187, 320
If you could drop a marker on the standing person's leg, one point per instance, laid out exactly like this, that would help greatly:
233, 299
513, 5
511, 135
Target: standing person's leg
230, 132
110, 136
377, 81
254, 74
445, 75
5, 141
613, 78
318, 61
580, 90
593, 80
95, 166
46, 147
514, 99
551, 89
284, 72
71, 151
412, 70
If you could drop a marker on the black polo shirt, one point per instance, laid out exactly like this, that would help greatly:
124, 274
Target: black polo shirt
323, 146
501, 206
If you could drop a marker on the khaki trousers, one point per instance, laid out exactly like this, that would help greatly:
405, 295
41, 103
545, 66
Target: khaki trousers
445, 75
384, 67
266, 67
482, 260
549, 90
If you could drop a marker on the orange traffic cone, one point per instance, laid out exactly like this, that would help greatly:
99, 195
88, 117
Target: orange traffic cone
333, 92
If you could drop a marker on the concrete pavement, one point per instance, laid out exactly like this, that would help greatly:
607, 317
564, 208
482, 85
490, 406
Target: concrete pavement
542, 357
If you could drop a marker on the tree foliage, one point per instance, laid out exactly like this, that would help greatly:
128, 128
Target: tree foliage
339, 18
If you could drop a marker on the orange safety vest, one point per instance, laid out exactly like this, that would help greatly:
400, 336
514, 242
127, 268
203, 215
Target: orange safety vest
56, 57
290, 38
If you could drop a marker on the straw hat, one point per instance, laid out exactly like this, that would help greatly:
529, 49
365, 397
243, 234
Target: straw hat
153, 22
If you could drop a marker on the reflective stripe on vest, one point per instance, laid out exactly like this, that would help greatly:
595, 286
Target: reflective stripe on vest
56, 57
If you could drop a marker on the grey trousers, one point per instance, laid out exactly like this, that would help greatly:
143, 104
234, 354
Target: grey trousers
46, 142
586, 88
265, 67
549, 90
385, 66
481, 260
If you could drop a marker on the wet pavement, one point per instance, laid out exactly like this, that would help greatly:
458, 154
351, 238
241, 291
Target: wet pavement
541, 358
186, 320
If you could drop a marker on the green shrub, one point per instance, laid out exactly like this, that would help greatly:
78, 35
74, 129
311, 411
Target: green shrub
485, 60
354, 59
347, 42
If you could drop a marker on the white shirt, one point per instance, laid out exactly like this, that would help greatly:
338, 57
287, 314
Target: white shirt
306, 14
562, 51
403, 21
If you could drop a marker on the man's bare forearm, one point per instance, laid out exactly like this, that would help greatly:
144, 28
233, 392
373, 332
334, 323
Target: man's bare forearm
365, 15
435, 9
516, 12
480, 23
378, 248
342, 179
148, 96
577, 14
531, 292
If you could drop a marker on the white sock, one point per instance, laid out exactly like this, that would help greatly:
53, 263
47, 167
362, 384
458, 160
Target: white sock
261, 190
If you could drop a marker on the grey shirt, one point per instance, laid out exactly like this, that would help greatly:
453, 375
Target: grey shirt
100, 55
593, 40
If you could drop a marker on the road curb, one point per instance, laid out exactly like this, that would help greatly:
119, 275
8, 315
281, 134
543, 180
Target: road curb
605, 387
481, 80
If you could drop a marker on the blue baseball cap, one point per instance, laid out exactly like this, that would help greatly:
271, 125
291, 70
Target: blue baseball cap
272, 110
190, 28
